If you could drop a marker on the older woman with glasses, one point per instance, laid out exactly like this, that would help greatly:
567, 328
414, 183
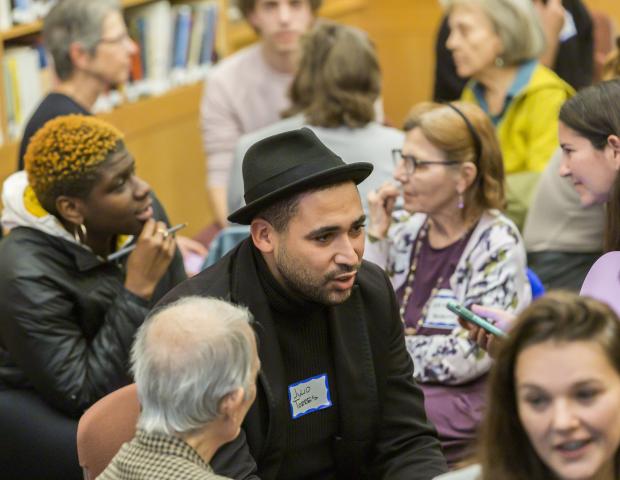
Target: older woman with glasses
449, 242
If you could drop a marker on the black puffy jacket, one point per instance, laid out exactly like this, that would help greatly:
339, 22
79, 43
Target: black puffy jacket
66, 321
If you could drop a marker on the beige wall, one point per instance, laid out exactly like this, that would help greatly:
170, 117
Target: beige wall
611, 7
404, 32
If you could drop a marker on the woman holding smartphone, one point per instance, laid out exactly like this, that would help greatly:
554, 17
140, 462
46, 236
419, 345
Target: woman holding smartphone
554, 396
450, 242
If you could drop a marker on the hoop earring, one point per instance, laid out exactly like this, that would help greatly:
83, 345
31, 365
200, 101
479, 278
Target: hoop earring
499, 62
81, 228
461, 203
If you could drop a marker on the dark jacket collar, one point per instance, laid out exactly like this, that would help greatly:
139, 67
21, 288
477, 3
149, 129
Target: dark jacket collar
355, 373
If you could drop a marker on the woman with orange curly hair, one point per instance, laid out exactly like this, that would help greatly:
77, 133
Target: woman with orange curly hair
67, 314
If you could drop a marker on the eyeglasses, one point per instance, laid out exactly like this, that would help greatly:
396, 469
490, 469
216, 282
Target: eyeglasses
411, 162
121, 38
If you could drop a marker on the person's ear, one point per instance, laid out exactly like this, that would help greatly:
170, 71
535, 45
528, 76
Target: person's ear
230, 405
79, 56
467, 176
263, 235
70, 209
613, 142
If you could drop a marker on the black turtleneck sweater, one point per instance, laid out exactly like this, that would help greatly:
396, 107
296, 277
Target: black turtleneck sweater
304, 339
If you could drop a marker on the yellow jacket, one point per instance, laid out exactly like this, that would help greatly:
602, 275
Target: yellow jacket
528, 129
528, 134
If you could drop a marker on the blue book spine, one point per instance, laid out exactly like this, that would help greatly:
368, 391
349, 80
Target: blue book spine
43, 62
208, 37
181, 38
141, 29
22, 4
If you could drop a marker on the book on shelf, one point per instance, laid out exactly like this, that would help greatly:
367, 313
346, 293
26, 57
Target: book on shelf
182, 17
5, 15
175, 42
26, 78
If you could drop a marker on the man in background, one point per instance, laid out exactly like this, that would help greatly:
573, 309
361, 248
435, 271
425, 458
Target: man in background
248, 90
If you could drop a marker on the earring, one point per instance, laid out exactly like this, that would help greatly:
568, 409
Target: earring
499, 62
81, 228
461, 203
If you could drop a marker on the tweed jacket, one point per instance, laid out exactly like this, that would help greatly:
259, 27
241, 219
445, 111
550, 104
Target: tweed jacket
491, 272
383, 431
157, 457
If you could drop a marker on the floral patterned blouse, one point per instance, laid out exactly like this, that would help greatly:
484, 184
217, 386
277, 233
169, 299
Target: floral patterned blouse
490, 272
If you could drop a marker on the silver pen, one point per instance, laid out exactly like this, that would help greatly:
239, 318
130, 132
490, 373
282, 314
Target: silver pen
130, 248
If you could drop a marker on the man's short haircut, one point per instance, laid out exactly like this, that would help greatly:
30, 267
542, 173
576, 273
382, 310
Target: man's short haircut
247, 6
516, 23
280, 213
72, 21
338, 79
186, 358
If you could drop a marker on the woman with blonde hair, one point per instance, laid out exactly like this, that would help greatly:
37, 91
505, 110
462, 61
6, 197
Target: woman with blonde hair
450, 242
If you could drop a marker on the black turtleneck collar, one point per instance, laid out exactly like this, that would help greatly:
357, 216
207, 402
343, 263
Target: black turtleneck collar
281, 299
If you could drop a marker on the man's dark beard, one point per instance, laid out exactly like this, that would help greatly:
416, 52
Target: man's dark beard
302, 283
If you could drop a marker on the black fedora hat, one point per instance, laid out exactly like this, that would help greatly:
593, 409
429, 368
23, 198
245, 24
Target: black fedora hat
289, 163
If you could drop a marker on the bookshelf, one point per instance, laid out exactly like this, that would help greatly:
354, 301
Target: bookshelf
162, 132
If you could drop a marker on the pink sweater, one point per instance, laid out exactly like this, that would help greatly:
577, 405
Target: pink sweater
242, 94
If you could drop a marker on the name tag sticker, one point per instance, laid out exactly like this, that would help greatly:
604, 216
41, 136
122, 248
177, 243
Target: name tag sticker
438, 316
309, 396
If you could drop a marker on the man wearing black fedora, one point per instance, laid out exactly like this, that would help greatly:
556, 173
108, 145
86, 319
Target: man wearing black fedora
336, 397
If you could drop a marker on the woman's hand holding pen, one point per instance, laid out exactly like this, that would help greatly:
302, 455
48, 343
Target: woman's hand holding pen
148, 262
380, 206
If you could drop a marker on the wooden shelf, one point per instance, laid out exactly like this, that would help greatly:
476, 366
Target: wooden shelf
18, 31
21, 30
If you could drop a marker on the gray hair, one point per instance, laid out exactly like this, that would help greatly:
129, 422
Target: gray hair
186, 358
516, 23
72, 21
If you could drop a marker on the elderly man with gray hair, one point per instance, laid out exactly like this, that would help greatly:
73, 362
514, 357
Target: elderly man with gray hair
195, 364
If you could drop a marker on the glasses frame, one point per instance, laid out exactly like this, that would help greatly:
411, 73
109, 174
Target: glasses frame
411, 162
118, 40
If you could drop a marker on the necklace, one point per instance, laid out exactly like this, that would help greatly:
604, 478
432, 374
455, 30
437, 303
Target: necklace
409, 284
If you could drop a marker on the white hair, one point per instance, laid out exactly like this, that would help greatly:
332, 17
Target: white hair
74, 21
516, 23
186, 358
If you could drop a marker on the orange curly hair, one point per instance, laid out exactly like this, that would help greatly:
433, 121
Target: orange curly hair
63, 155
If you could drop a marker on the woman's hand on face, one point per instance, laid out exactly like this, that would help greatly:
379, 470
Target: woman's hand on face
150, 259
488, 341
380, 206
